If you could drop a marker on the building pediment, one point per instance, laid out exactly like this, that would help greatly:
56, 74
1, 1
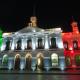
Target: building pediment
30, 29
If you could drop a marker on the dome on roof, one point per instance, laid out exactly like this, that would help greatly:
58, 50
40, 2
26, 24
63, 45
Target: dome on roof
32, 26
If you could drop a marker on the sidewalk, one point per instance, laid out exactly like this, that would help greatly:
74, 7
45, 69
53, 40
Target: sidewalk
70, 72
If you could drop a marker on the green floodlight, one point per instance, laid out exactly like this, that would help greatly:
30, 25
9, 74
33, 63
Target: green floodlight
1, 32
1, 39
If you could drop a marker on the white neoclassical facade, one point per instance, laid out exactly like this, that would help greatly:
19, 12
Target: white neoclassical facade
32, 38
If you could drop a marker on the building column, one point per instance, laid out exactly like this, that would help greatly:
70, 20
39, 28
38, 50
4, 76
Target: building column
23, 44
59, 42
10, 44
13, 44
14, 41
43, 42
46, 42
34, 43
3, 45
26, 43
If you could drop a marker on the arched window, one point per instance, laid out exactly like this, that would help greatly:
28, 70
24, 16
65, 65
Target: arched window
28, 61
65, 45
54, 59
5, 60
75, 44
67, 61
17, 61
40, 61
77, 60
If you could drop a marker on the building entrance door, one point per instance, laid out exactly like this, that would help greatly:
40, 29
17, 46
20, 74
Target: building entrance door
5, 61
40, 62
28, 61
54, 59
17, 61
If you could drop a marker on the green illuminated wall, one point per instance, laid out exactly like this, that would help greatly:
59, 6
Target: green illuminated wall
1, 39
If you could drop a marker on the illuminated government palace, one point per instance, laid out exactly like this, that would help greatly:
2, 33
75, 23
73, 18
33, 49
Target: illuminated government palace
32, 48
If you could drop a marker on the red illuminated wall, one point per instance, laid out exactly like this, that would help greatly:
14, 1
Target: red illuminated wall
72, 38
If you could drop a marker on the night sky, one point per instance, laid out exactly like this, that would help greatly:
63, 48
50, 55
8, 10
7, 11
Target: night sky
15, 14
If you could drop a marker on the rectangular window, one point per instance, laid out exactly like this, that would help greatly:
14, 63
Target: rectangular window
53, 43
29, 44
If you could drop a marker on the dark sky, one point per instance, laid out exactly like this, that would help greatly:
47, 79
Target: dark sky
14, 14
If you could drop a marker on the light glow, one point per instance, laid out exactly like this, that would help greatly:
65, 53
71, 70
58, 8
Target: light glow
33, 44
13, 45
22, 44
70, 48
21, 65
59, 43
3, 46
46, 42
62, 65
39, 61
54, 59
10, 66
6, 34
